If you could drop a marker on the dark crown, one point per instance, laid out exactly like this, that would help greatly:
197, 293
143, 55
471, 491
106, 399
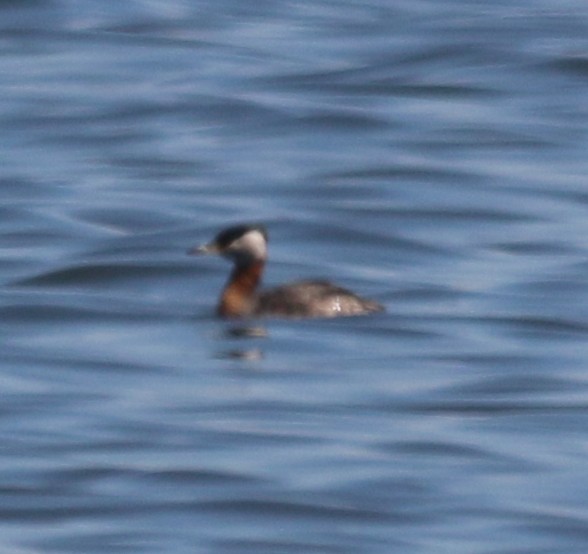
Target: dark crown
227, 236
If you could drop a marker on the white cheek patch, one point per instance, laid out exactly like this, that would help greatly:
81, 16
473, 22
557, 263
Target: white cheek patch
252, 242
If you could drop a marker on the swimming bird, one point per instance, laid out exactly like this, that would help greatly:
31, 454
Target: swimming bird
246, 246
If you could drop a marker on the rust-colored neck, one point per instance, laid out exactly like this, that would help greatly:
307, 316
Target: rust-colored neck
238, 298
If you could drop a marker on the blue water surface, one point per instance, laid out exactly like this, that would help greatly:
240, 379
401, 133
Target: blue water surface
431, 155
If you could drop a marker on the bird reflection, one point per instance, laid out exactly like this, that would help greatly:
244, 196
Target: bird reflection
243, 332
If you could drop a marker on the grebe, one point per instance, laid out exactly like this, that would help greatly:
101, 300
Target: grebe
246, 247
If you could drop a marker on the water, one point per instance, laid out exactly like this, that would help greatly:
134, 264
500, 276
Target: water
429, 154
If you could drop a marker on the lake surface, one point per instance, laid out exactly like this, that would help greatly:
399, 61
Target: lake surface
430, 154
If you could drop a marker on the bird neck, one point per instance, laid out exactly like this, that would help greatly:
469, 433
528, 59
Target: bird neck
238, 297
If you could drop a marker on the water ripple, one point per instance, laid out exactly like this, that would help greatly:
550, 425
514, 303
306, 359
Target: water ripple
431, 155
